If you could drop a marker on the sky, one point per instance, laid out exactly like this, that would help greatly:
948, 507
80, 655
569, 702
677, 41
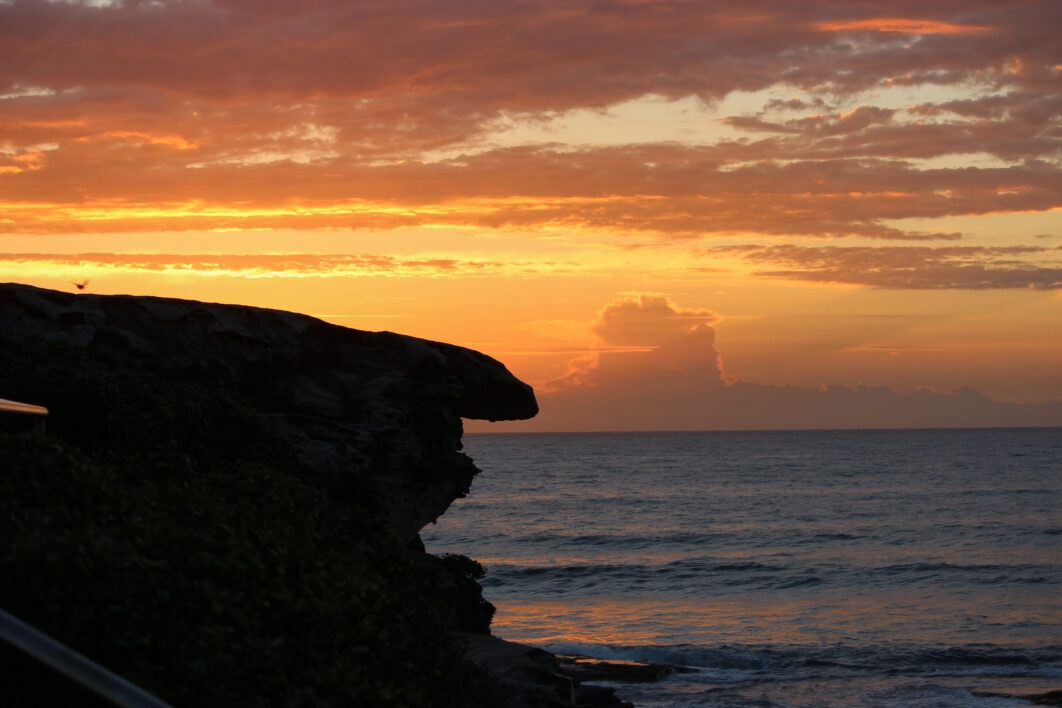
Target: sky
674, 214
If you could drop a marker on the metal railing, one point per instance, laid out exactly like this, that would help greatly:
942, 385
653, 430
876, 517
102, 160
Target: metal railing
15, 415
61, 659
39, 648
17, 407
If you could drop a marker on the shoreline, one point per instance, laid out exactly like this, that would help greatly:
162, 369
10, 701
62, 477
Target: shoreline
535, 677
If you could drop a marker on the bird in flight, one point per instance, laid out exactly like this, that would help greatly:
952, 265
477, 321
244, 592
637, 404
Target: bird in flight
80, 286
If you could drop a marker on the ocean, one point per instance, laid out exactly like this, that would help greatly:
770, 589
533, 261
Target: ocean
909, 568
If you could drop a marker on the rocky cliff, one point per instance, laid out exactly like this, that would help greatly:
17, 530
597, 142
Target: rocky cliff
373, 418
375, 415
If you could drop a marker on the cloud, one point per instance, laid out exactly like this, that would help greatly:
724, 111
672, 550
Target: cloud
901, 25
666, 190
818, 125
434, 51
1010, 127
671, 371
681, 385
647, 320
293, 265
908, 267
139, 116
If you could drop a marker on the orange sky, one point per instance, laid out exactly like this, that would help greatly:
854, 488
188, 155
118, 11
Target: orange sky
662, 214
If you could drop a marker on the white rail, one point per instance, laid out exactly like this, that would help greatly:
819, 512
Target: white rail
17, 407
66, 662
61, 659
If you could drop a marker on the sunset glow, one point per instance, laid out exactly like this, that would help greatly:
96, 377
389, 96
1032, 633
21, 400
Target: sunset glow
898, 24
718, 205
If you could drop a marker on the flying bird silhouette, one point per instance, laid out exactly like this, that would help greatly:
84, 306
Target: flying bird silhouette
80, 286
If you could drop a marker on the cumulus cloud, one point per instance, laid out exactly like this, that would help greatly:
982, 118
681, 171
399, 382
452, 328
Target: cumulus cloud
647, 320
673, 371
681, 385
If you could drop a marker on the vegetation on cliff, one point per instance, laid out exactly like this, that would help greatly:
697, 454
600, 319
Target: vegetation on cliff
156, 527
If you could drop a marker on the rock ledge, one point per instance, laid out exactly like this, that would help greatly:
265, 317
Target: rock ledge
375, 415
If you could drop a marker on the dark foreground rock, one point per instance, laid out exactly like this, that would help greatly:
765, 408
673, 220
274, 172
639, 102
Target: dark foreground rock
584, 668
1048, 698
375, 415
534, 678
374, 419
1051, 698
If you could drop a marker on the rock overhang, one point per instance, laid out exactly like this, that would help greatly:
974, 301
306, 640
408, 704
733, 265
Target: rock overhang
374, 410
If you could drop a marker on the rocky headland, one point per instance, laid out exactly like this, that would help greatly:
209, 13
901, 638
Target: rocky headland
375, 415
372, 421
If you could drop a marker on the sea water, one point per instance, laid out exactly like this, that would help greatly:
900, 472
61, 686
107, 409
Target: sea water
855, 568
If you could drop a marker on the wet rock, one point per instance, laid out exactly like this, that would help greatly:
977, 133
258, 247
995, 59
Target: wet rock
584, 668
533, 678
1048, 698
591, 695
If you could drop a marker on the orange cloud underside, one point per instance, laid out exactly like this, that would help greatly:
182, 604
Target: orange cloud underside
292, 265
897, 24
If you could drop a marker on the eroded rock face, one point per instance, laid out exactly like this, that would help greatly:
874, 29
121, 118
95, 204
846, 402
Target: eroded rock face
374, 414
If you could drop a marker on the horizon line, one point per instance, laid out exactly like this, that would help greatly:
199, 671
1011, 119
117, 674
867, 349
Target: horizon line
764, 430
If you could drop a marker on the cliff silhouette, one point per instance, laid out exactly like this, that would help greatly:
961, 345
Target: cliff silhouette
225, 505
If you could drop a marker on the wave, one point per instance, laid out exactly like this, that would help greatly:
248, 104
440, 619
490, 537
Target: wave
686, 575
751, 662
624, 541
697, 564
979, 574
838, 536
711, 573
